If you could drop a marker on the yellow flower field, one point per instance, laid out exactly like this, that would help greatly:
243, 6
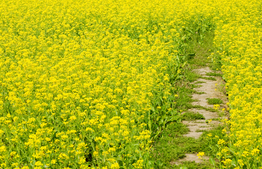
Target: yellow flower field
87, 84
239, 39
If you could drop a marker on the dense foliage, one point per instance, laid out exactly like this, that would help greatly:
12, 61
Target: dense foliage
239, 43
89, 83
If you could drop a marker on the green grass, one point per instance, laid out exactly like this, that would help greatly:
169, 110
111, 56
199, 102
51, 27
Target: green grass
192, 116
200, 130
216, 119
221, 88
201, 50
209, 78
214, 74
173, 146
200, 92
199, 82
205, 108
191, 76
213, 101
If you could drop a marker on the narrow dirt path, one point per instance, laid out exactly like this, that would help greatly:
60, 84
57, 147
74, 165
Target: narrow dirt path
210, 89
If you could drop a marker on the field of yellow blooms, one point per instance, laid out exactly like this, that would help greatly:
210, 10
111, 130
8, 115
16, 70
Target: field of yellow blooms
239, 43
87, 84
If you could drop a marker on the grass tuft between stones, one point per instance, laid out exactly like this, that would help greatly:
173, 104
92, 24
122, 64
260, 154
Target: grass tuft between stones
213, 101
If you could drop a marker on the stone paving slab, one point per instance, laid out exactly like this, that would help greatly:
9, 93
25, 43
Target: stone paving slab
190, 157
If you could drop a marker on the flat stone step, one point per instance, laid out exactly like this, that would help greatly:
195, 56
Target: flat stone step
196, 127
190, 157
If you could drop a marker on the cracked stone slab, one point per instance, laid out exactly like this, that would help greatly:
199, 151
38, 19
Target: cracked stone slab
201, 123
195, 126
193, 134
209, 87
213, 123
203, 71
190, 157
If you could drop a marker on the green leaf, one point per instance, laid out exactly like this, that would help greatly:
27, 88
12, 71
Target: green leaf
212, 161
183, 167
